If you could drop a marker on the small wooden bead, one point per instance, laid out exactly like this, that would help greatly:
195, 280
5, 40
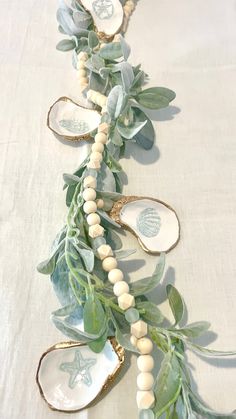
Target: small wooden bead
133, 340
109, 263
80, 65
90, 182
145, 381
96, 156
145, 346
146, 414
83, 56
100, 203
145, 363
139, 329
98, 147
96, 231
115, 275
132, 315
83, 80
94, 164
105, 251
93, 219
125, 301
89, 194
103, 127
90, 206
100, 137
120, 288
145, 399
82, 73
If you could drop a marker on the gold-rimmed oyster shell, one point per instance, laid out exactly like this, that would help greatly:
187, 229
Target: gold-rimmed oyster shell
153, 222
71, 121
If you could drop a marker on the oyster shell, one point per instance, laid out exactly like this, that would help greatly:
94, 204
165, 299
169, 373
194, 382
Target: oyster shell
71, 121
154, 223
107, 16
70, 376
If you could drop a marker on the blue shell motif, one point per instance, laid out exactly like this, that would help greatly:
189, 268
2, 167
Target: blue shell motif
149, 222
104, 9
74, 125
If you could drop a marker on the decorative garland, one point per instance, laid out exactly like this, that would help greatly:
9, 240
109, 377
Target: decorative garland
84, 263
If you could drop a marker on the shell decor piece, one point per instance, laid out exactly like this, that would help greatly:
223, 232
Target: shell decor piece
71, 121
107, 16
70, 376
153, 222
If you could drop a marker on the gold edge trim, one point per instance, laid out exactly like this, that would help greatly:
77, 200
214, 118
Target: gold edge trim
69, 137
114, 213
120, 352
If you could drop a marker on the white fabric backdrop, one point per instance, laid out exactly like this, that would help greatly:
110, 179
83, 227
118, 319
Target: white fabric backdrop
189, 46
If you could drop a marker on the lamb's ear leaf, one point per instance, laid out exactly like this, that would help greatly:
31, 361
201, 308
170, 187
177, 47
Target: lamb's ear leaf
146, 136
176, 302
66, 45
155, 97
146, 285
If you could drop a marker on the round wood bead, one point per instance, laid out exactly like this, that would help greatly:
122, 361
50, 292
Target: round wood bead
103, 127
83, 80
105, 251
146, 414
93, 219
90, 206
83, 56
100, 137
145, 399
120, 288
133, 340
100, 203
90, 182
96, 156
96, 231
145, 381
125, 301
94, 164
89, 194
139, 329
82, 73
132, 315
145, 363
80, 65
115, 275
109, 263
145, 346
98, 147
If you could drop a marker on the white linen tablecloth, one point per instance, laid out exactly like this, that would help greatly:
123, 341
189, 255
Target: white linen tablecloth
186, 45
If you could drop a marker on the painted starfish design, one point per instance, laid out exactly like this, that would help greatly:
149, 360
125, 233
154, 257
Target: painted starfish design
78, 370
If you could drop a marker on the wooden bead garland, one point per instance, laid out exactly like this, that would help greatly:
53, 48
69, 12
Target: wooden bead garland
82, 71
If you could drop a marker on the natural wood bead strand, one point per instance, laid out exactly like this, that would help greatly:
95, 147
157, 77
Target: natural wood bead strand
82, 70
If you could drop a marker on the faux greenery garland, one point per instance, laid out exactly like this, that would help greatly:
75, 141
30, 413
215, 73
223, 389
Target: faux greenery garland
75, 269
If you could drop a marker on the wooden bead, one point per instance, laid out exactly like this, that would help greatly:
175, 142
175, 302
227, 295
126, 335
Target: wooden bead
89, 194
100, 137
94, 164
146, 414
145, 345
139, 329
90, 206
145, 399
125, 301
120, 287
90, 182
104, 251
145, 381
100, 203
83, 80
115, 275
109, 263
93, 219
95, 231
98, 147
132, 315
82, 56
82, 73
133, 340
96, 156
145, 363
80, 65
103, 127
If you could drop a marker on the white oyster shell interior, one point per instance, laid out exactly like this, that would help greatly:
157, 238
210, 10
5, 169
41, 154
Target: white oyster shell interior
155, 224
71, 378
107, 15
68, 119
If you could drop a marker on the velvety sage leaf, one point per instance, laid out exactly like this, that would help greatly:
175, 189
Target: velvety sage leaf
93, 40
196, 329
113, 240
94, 320
97, 83
138, 82
65, 45
127, 74
152, 314
65, 311
125, 48
155, 97
47, 266
61, 285
105, 179
115, 102
146, 136
130, 131
71, 179
112, 163
168, 384
201, 409
111, 51
82, 20
106, 220
73, 332
209, 352
115, 137
122, 339
95, 63
148, 284
123, 254
114, 196
88, 258
176, 303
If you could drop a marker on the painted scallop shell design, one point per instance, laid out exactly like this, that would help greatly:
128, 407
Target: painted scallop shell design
149, 222
153, 222
70, 376
107, 16
71, 121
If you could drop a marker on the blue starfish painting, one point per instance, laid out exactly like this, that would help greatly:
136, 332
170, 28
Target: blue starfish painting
78, 370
